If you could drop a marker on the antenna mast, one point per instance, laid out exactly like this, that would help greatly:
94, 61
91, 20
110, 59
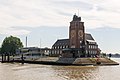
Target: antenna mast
78, 12
26, 41
40, 42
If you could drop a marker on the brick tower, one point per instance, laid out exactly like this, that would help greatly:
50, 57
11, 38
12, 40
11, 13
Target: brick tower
76, 33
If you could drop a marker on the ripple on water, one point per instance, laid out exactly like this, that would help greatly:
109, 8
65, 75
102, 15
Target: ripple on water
76, 72
48, 72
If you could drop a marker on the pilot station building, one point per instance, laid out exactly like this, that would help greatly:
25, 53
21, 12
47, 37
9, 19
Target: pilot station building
79, 43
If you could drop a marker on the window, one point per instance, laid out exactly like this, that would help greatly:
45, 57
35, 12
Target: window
52, 52
89, 46
60, 51
66, 46
89, 52
95, 52
57, 51
80, 41
76, 24
80, 46
96, 47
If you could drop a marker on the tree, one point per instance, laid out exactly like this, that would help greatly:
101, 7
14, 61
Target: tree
10, 44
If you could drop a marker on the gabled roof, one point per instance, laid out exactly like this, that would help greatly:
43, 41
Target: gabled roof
88, 36
61, 42
90, 39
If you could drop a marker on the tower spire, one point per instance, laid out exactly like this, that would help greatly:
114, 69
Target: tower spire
75, 14
76, 18
78, 12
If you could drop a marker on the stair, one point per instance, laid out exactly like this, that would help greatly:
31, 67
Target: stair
83, 61
66, 60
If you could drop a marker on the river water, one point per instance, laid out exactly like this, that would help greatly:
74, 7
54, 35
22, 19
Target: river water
18, 71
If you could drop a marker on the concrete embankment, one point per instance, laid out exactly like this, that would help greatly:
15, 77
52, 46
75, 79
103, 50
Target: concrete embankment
95, 61
69, 61
88, 61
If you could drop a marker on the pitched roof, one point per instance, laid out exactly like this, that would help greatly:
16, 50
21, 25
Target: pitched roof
88, 36
61, 42
66, 41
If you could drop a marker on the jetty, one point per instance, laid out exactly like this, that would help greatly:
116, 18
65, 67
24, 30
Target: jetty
65, 61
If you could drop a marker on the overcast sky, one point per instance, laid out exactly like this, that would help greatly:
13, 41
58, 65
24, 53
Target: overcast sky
32, 17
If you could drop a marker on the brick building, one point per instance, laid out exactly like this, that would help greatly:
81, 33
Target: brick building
79, 44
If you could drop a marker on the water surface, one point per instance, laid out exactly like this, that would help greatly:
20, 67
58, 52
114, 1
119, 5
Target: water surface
48, 72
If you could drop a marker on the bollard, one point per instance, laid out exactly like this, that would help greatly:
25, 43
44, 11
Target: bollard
13, 58
22, 59
8, 57
2, 58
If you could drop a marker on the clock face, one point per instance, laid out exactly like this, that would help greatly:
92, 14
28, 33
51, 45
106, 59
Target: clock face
72, 33
80, 33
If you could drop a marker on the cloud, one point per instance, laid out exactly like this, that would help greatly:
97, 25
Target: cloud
65, 4
13, 31
37, 13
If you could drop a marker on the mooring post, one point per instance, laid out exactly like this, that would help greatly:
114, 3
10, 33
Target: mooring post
2, 58
8, 57
22, 59
13, 58
5, 57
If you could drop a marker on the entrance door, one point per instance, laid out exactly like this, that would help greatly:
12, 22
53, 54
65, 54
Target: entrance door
73, 55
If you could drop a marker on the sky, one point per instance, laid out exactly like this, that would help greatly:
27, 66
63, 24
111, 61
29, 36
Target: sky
45, 21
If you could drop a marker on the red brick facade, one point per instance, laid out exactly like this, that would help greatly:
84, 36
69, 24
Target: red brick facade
76, 32
79, 44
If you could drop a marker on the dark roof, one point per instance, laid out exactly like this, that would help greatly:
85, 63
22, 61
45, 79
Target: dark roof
88, 36
61, 42
46, 48
71, 49
30, 48
66, 41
